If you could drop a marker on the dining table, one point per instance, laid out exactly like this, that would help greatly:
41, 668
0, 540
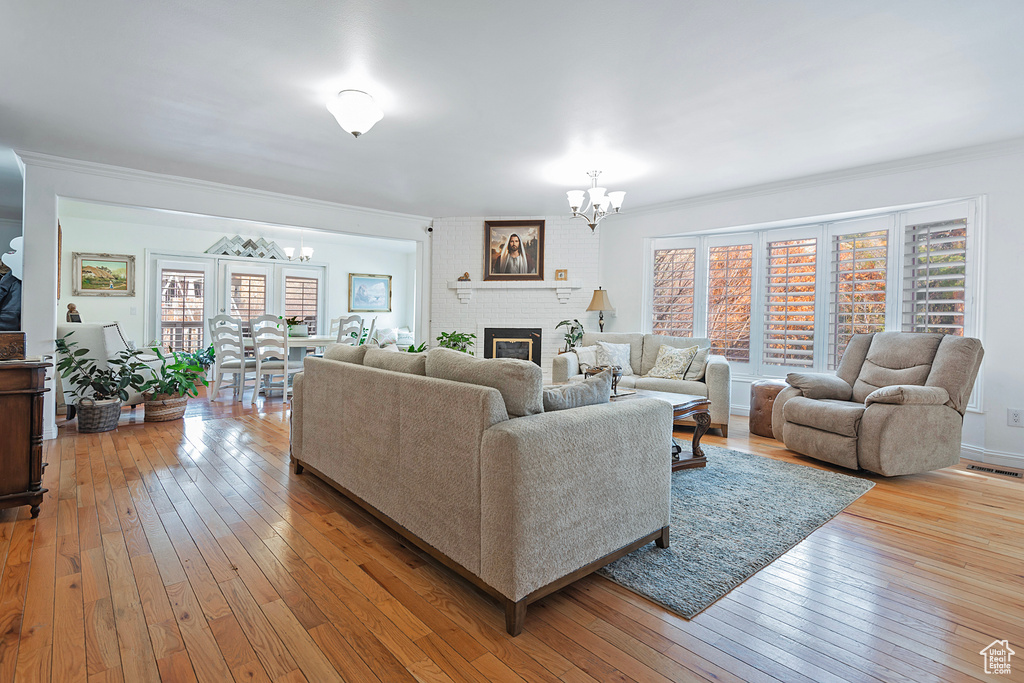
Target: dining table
296, 350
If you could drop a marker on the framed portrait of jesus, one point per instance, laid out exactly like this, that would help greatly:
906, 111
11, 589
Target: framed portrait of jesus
514, 250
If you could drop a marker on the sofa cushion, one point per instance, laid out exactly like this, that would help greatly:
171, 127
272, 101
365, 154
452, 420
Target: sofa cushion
654, 342
396, 361
820, 385
635, 341
346, 353
698, 365
838, 417
589, 392
896, 358
672, 362
519, 381
828, 446
671, 386
614, 354
587, 355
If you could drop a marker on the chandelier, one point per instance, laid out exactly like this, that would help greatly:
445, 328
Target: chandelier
600, 203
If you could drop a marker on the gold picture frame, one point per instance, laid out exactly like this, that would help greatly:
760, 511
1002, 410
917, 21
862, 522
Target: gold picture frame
102, 274
369, 293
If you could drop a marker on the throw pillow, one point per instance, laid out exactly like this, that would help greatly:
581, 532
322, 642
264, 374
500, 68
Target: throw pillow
519, 381
386, 336
614, 354
818, 385
346, 353
672, 362
698, 365
587, 356
589, 392
396, 361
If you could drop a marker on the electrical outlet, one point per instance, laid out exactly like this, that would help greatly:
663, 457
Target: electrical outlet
1015, 417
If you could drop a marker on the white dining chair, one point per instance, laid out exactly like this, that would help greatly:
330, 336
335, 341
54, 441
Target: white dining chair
229, 354
373, 328
349, 330
270, 343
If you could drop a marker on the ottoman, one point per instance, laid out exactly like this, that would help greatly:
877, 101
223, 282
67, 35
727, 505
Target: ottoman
762, 400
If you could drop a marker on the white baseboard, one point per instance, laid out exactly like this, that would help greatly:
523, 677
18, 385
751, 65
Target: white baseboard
1015, 460
739, 410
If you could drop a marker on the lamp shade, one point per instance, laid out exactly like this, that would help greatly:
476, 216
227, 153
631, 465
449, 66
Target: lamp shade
575, 198
600, 302
289, 251
616, 199
355, 111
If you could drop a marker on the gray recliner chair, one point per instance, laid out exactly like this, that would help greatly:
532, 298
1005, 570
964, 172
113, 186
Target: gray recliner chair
895, 405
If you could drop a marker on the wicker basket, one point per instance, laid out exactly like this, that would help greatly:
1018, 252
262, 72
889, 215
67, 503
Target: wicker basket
165, 407
98, 416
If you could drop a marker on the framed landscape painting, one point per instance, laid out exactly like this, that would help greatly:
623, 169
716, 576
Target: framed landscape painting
369, 293
102, 274
514, 250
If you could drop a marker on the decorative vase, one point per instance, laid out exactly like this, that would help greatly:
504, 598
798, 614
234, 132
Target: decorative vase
298, 330
97, 416
165, 407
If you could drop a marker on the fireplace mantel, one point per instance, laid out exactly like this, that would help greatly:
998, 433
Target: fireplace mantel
563, 288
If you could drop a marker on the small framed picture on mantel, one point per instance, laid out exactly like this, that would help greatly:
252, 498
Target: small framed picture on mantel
514, 250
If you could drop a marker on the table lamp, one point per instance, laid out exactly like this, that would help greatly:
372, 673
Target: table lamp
601, 303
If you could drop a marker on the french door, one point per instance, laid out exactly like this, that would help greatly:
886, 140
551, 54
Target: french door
184, 302
248, 291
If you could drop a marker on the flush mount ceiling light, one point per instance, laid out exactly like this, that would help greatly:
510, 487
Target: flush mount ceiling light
355, 111
600, 204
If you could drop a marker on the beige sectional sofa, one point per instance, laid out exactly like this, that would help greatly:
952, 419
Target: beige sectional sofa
716, 383
895, 405
456, 454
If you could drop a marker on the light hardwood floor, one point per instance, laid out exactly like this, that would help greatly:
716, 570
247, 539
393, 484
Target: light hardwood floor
188, 551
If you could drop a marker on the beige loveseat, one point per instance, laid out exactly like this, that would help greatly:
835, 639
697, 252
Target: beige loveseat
716, 382
895, 405
521, 506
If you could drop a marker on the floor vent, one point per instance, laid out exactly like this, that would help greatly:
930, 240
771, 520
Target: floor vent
993, 471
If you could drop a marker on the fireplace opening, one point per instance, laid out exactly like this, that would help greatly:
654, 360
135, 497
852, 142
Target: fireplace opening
513, 342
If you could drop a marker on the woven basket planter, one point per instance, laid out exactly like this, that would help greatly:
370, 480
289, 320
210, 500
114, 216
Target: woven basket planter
165, 407
98, 416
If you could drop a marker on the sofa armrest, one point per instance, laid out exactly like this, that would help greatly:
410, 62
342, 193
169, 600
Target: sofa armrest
560, 490
564, 366
718, 377
295, 433
820, 385
778, 418
908, 394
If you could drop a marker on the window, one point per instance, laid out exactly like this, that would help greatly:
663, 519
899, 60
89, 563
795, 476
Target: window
790, 302
301, 299
248, 297
857, 296
181, 309
729, 290
674, 291
935, 277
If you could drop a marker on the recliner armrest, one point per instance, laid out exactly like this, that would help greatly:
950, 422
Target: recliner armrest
908, 394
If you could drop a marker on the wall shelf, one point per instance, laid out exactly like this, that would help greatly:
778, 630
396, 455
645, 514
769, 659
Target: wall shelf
563, 288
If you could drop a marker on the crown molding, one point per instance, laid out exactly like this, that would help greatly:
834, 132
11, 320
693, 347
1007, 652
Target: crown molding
947, 158
39, 159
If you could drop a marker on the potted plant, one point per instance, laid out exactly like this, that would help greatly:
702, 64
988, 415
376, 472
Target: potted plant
98, 392
460, 341
574, 335
297, 327
167, 392
413, 348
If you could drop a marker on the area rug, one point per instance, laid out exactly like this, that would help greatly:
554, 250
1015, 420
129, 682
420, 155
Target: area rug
729, 520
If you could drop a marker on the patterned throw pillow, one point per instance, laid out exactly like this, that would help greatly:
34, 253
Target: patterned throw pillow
587, 355
614, 354
672, 362
698, 365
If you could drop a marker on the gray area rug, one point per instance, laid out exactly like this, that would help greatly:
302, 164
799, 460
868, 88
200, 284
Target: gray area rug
729, 520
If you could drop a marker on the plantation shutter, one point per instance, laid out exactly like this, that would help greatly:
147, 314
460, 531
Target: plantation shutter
935, 277
248, 297
858, 284
729, 297
301, 298
674, 291
181, 309
790, 302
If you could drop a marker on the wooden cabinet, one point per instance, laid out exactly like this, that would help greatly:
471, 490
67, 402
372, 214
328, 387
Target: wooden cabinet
21, 433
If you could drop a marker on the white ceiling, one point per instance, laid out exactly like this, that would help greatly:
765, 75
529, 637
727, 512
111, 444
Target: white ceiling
484, 100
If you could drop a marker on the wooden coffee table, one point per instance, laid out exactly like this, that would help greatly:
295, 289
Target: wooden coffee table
683, 405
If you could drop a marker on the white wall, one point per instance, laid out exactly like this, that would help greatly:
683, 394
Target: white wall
458, 247
9, 229
332, 251
997, 173
49, 178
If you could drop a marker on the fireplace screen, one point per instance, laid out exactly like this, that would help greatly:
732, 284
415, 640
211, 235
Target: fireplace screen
513, 342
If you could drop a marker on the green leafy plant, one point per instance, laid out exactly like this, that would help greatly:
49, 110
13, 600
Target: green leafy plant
203, 358
292, 320
177, 376
460, 341
417, 349
574, 335
123, 372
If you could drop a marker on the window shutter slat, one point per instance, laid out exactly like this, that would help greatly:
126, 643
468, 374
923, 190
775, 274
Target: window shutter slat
301, 299
858, 286
182, 295
674, 291
729, 290
935, 277
789, 320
